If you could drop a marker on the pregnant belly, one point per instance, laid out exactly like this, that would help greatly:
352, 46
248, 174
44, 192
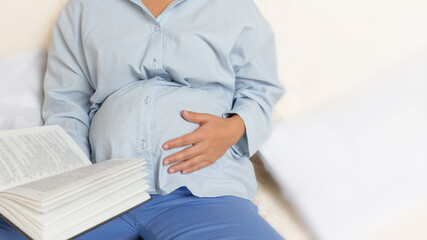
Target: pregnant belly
125, 119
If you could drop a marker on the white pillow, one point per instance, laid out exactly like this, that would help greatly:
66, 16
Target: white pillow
357, 166
21, 89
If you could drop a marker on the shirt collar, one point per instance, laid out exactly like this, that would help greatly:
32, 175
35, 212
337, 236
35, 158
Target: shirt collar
171, 5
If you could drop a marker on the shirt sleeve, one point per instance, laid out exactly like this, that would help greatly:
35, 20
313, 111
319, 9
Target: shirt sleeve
257, 87
66, 86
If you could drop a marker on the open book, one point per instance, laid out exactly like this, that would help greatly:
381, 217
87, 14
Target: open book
49, 189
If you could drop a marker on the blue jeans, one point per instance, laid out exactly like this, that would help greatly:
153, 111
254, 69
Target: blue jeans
180, 215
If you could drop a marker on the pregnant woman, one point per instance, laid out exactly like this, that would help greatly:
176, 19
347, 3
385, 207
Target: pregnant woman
188, 85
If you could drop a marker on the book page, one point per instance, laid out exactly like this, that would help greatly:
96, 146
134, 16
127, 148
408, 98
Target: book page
49, 187
29, 154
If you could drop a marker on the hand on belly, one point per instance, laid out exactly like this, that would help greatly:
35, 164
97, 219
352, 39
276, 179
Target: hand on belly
210, 141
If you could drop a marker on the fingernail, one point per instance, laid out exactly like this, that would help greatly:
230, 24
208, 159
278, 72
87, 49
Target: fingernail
166, 146
185, 113
185, 171
165, 162
172, 170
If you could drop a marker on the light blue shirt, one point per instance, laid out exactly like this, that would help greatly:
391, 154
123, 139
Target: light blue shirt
117, 79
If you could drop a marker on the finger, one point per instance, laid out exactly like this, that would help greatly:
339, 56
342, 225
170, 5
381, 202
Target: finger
198, 167
187, 139
185, 154
192, 162
194, 117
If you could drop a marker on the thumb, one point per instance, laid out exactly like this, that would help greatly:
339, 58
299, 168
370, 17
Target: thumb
195, 117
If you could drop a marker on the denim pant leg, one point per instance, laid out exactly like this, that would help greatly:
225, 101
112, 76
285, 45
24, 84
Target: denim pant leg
8, 232
120, 228
183, 216
117, 229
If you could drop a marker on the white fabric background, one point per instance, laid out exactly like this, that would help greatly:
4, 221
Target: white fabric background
21, 91
359, 166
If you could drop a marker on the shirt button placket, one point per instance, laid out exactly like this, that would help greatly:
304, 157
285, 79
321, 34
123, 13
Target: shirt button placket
155, 64
143, 144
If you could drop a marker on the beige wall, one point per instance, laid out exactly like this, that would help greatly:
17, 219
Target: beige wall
326, 49
26, 24
331, 48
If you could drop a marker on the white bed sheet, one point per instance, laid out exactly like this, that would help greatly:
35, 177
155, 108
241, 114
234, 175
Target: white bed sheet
358, 166
21, 92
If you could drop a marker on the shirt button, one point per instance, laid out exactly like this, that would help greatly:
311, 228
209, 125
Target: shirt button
147, 99
143, 144
156, 27
155, 64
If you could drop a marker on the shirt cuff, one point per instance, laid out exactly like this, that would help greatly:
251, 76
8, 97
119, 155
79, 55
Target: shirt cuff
245, 146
